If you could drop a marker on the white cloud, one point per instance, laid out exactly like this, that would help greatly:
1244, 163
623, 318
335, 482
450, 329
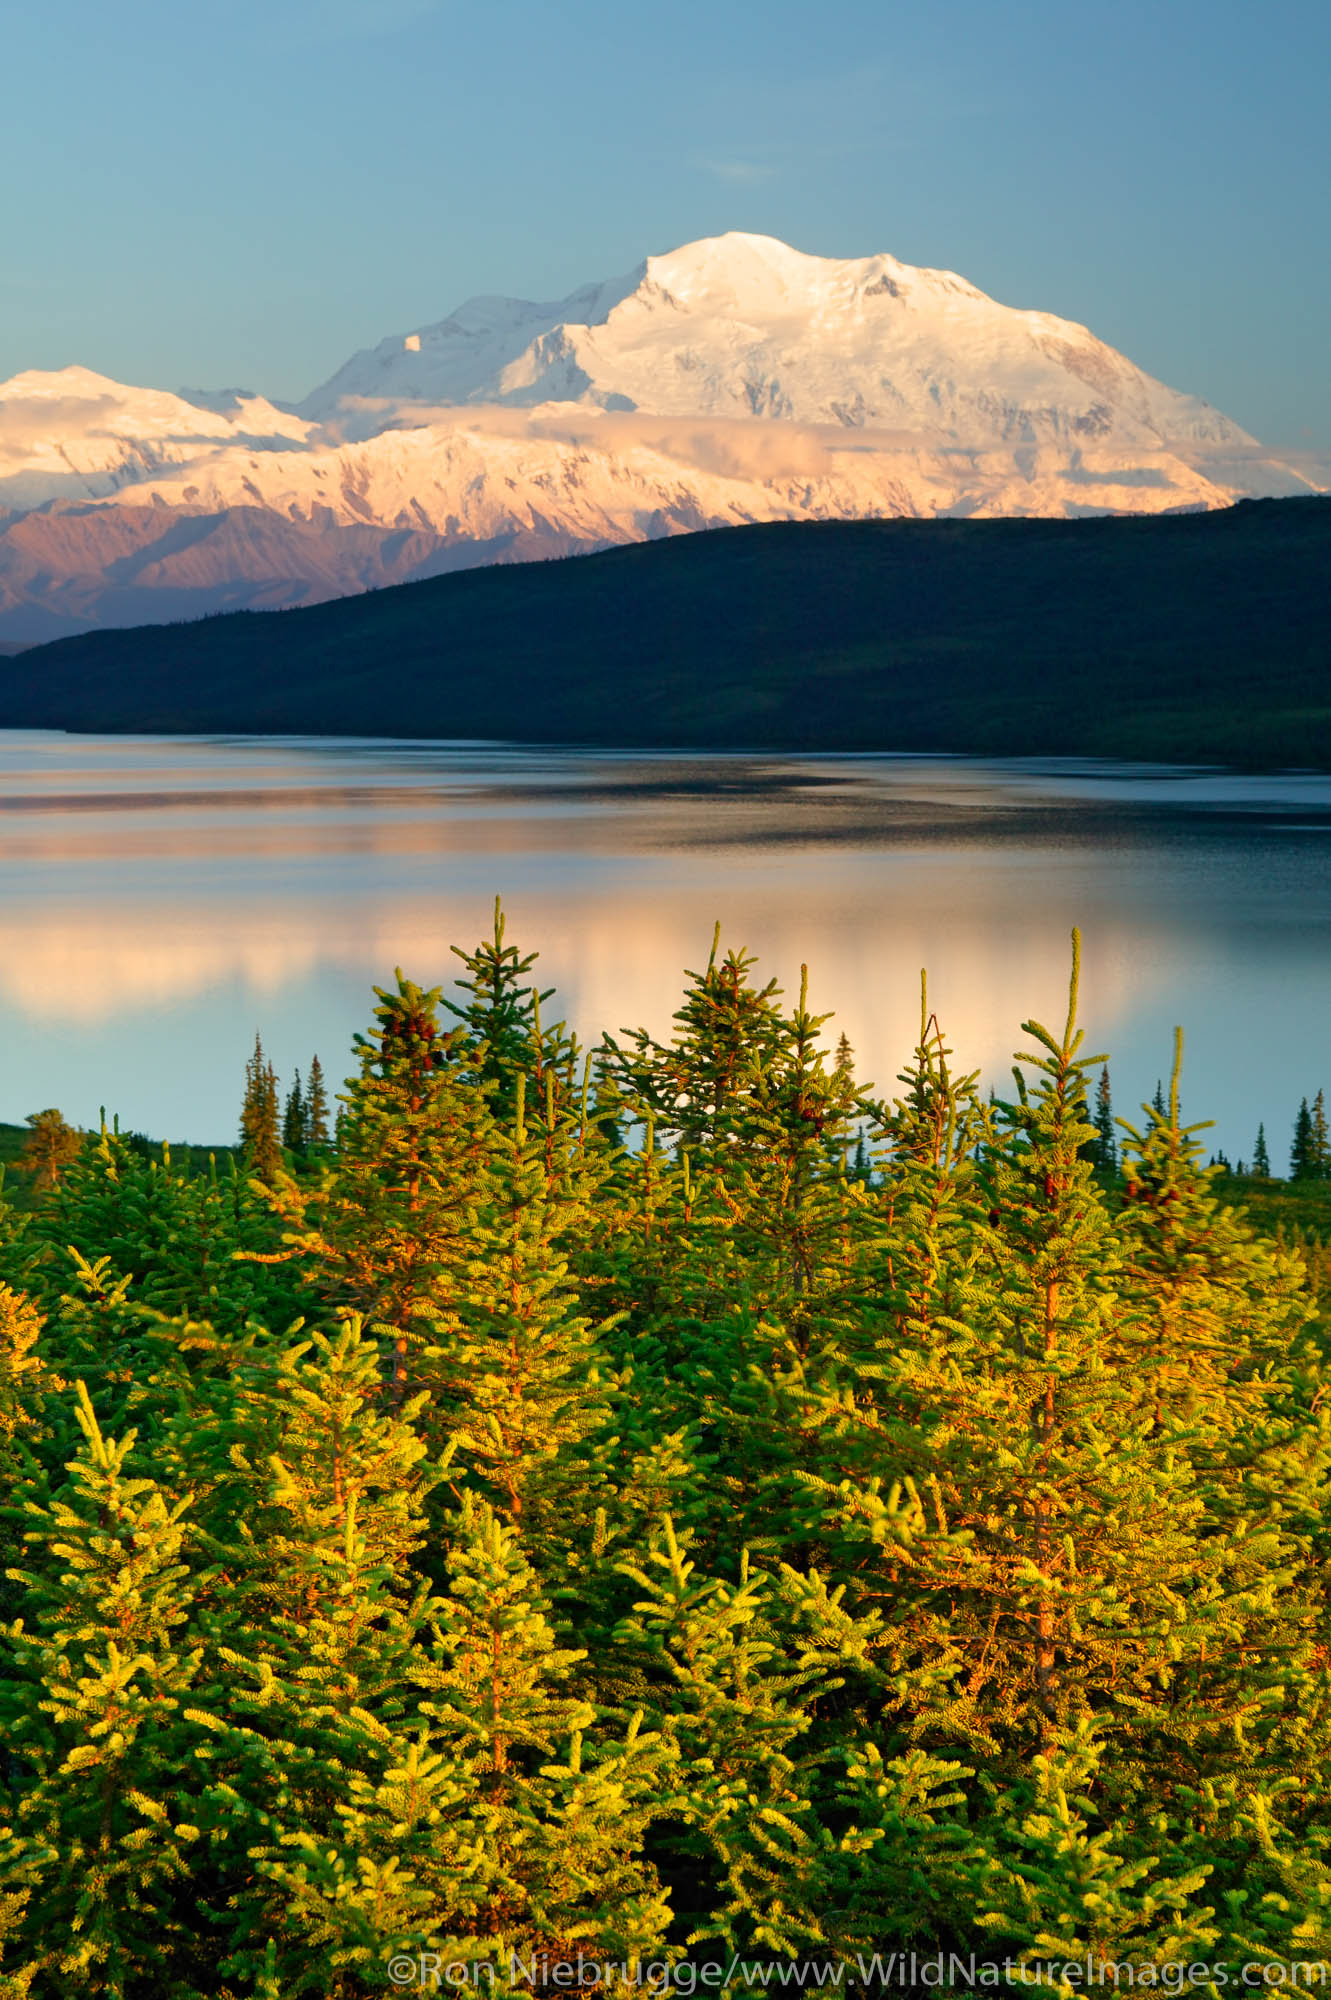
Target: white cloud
741, 173
26, 421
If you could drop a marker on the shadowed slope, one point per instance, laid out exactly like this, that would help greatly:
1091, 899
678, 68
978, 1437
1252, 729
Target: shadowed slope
1180, 637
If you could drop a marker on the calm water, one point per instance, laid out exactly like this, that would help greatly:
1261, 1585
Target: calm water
160, 899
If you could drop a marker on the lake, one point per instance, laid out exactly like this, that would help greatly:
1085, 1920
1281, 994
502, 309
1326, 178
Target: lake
163, 898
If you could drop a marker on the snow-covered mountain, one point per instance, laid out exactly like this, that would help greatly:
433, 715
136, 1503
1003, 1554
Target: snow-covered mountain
731, 380
70, 434
744, 326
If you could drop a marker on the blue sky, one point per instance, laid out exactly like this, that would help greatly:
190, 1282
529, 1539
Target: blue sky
218, 195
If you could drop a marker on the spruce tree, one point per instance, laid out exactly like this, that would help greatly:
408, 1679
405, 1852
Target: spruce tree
502, 1020
314, 1513
1042, 1577
517, 1376
1300, 1152
568, 1800
49, 1148
1106, 1143
1212, 1352
455, 1796
720, 1691
316, 1108
260, 1147
394, 1225
1261, 1159
1044, 1510
1214, 1306
99, 1668
750, 1220
699, 1087
25, 1379
1037, 1875
295, 1135
31, 1427
1319, 1144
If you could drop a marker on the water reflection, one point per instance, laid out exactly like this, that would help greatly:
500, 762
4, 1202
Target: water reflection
160, 899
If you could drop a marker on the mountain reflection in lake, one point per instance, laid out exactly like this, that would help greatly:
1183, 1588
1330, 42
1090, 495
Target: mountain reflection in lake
160, 899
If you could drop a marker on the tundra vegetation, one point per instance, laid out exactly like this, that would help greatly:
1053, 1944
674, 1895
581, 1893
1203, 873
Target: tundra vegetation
659, 1504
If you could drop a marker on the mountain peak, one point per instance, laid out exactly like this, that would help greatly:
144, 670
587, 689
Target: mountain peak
743, 325
738, 261
750, 270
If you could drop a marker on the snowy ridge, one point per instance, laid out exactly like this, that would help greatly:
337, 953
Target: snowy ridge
70, 434
744, 326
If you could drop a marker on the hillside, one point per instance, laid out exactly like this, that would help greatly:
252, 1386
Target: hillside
1187, 637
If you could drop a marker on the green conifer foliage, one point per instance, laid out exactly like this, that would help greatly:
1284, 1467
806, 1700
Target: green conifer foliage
294, 1122
394, 1225
1261, 1159
752, 1218
142, 1272
919, 1282
486, 1815
566, 1802
1105, 1145
1035, 1875
1052, 1537
306, 1432
316, 1108
1319, 1143
17, 1868
25, 1382
705, 1094
1040, 1590
259, 1142
793, 1187
1053, 1880
1214, 1305
1300, 1152
502, 1019
99, 1668
1221, 1319
718, 1690
515, 1369
698, 1089
314, 1515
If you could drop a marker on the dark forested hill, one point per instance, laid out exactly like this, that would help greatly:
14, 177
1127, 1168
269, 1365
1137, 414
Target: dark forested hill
1197, 636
